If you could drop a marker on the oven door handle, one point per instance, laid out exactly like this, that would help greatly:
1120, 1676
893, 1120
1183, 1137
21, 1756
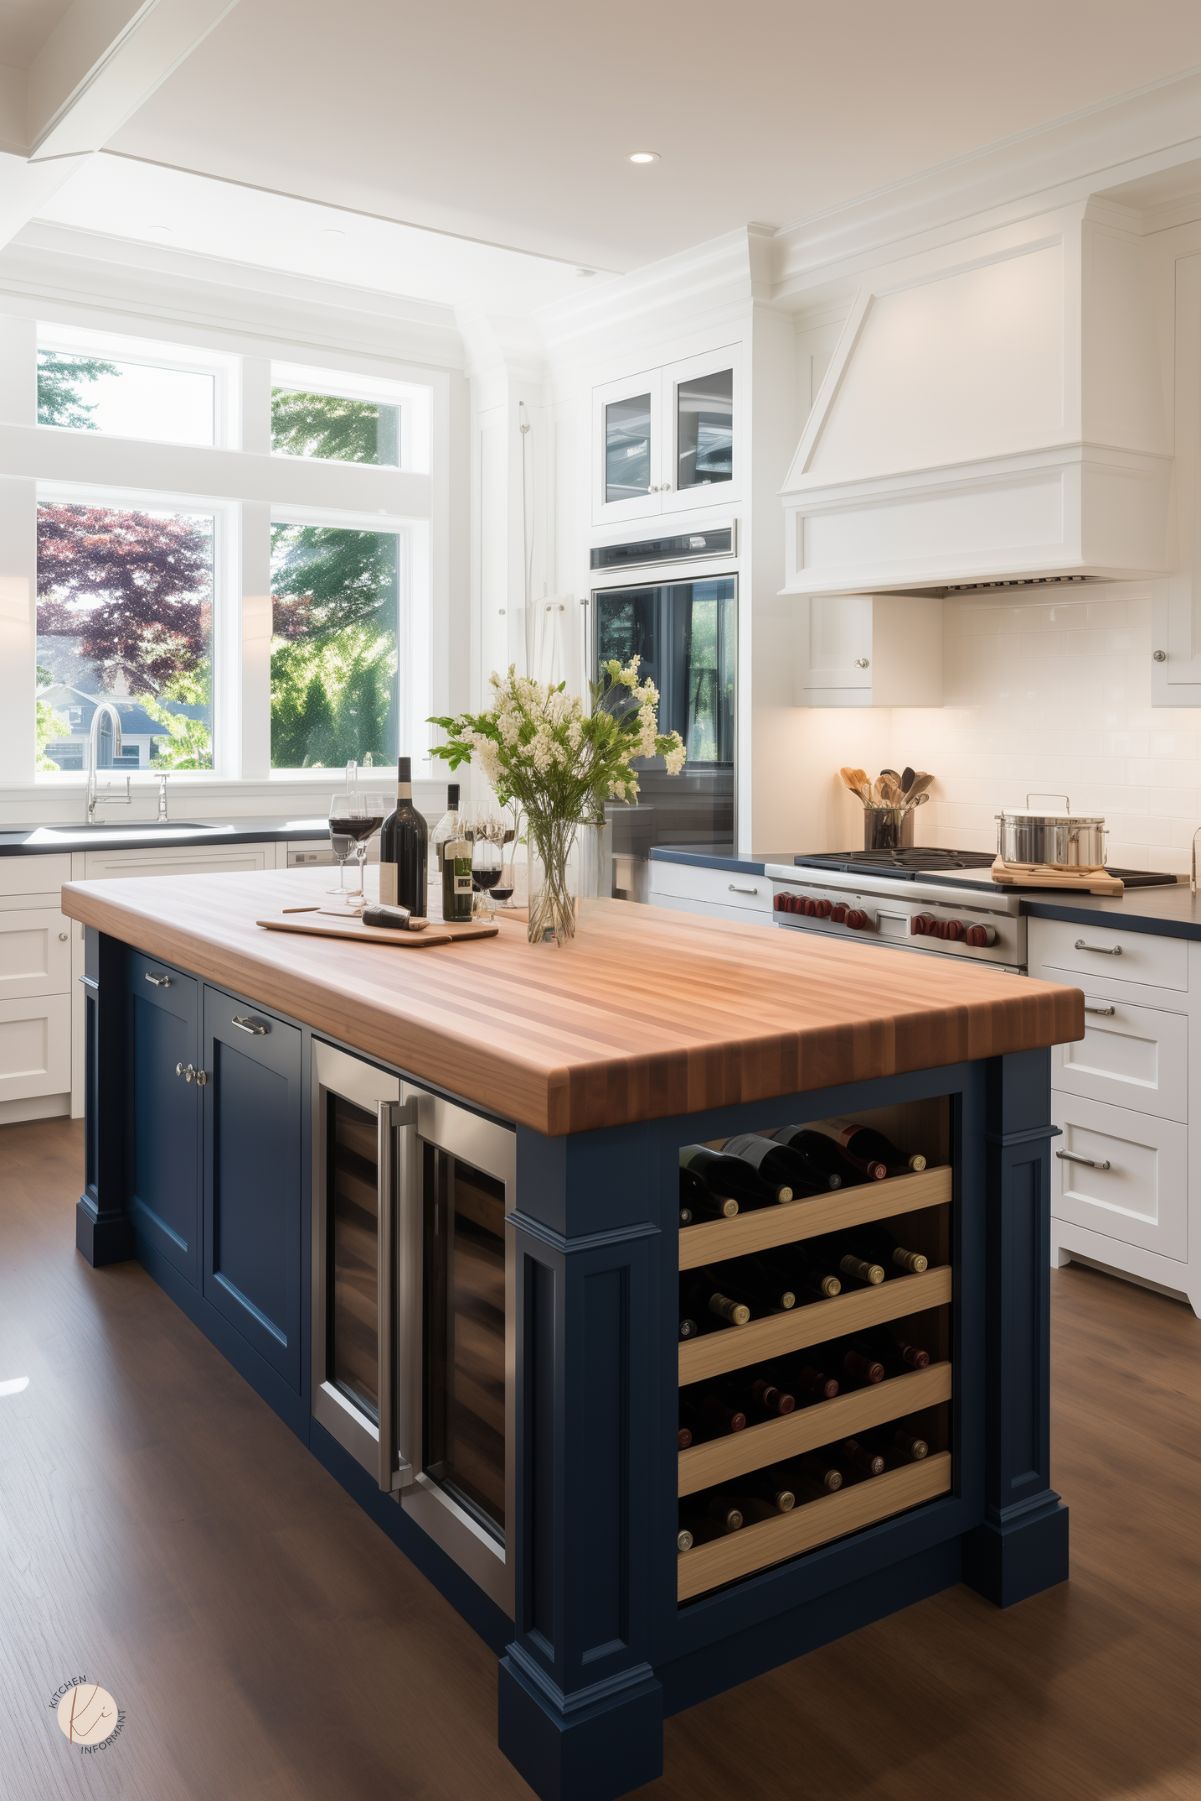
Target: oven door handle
395, 1128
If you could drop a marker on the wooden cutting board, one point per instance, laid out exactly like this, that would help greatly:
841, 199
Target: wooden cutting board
1041, 875
315, 925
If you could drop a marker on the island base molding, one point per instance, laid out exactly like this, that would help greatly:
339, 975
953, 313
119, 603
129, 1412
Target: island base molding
612, 1627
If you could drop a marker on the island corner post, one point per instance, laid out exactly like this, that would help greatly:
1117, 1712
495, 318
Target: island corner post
610, 1628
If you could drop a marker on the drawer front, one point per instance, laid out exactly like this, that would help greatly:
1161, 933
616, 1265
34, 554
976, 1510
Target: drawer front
1130, 1056
1141, 1198
188, 859
35, 953
35, 1047
723, 887
33, 875
1104, 955
711, 910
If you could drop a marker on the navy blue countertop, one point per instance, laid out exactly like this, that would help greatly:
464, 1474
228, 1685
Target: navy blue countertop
1172, 912
70, 835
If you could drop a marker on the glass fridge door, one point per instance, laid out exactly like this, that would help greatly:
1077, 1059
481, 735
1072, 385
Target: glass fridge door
686, 634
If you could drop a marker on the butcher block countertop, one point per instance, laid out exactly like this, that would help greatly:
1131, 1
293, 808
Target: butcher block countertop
647, 1013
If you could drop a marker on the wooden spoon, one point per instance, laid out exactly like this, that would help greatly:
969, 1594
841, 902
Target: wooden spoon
858, 783
907, 777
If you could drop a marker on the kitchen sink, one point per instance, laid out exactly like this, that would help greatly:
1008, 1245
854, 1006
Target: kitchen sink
102, 831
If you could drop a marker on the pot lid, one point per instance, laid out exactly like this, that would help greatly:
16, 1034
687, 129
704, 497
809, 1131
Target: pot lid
1055, 818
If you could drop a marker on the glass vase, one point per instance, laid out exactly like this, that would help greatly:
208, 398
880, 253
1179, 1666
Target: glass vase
552, 910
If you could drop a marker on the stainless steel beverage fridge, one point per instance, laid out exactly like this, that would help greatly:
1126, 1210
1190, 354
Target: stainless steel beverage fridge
413, 1303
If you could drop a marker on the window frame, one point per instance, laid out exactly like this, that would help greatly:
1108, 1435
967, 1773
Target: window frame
413, 400
145, 353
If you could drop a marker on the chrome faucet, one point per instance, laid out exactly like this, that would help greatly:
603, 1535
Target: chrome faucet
104, 709
163, 815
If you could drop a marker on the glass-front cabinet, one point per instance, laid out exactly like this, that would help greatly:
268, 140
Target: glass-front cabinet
413, 1304
665, 439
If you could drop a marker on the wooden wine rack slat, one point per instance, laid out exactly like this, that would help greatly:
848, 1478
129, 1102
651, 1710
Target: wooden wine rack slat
765, 1227
816, 1523
735, 1347
722, 1459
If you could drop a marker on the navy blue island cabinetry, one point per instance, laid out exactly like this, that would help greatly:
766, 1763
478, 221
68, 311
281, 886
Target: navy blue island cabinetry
466, 1294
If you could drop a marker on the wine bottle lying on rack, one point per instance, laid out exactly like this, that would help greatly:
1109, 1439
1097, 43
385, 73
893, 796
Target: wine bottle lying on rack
861, 1368
711, 1518
731, 1178
810, 1378
879, 1245
812, 1476
897, 1354
758, 1397
823, 1169
776, 1163
683, 1437
705, 1300
794, 1269
762, 1283
859, 1461
697, 1201
708, 1416
762, 1495
826, 1153
906, 1447
872, 1146
684, 1539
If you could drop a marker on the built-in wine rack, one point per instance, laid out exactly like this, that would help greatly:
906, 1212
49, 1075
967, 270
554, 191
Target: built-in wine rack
918, 1209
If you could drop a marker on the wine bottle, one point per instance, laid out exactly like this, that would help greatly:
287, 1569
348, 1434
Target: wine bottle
873, 1147
812, 1276
908, 1447
710, 1519
688, 1327
853, 1267
706, 1296
860, 1459
402, 848
775, 1162
824, 1161
870, 1169
685, 1216
708, 1416
731, 1177
762, 1495
808, 1381
449, 826
763, 1284
759, 1397
701, 1203
813, 1475
896, 1354
458, 889
684, 1539
683, 1437
861, 1367
877, 1244
722, 1511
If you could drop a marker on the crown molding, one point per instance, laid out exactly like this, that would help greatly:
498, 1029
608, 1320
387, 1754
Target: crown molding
69, 267
1141, 133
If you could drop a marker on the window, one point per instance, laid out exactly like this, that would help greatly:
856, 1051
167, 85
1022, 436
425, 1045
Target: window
126, 387
124, 614
336, 618
344, 419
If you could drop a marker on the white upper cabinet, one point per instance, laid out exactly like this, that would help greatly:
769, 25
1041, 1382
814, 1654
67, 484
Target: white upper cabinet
873, 650
666, 440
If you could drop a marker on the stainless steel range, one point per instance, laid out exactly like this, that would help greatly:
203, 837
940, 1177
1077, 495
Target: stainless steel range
919, 899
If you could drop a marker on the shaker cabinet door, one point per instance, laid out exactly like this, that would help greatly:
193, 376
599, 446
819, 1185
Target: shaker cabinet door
163, 1129
252, 1110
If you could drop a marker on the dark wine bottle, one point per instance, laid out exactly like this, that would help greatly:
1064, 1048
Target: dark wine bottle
708, 1416
762, 1495
825, 1148
707, 1297
878, 1245
759, 1398
826, 1164
907, 1447
813, 1276
860, 1459
684, 1540
685, 1216
701, 1203
808, 1381
896, 1354
873, 1147
731, 1177
688, 1327
813, 1476
402, 849
722, 1511
763, 1284
710, 1519
683, 1437
775, 1162
861, 1368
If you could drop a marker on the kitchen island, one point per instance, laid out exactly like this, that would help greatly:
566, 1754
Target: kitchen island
426, 1201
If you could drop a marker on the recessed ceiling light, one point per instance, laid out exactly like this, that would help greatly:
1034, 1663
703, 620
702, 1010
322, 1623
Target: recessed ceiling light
585, 274
644, 156
332, 232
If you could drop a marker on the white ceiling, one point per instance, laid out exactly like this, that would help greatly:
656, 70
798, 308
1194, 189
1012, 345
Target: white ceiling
174, 212
24, 27
513, 123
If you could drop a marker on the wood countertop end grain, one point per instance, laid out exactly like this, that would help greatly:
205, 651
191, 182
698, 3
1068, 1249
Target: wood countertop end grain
645, 1014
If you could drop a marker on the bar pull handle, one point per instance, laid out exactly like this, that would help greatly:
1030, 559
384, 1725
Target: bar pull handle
1101, 1012
1088, 1162
741, 888
395, 1472
258, 1028
1100, 950
157, 981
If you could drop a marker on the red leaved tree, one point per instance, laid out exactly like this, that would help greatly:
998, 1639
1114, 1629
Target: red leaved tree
133, 591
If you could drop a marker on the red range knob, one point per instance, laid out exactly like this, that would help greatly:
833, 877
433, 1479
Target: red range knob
856, 919
954, 929
838, 912
981, 935
920, 924
821, 909
808, 907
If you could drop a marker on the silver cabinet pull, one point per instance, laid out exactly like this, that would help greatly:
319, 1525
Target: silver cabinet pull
157, 981
186, 1070
862, 663
62, 937
1101, 1012
1088, 1162
1159, 656
741, 888
258, 1028
202, 1077
395, 1472
1101, 950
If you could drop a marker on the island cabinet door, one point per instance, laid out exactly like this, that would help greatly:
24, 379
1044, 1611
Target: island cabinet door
162, 1028
253, 1120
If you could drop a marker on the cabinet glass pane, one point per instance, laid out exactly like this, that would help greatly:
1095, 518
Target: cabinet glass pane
686, 635
464, 1366
628, 447
705, 429
352, 1173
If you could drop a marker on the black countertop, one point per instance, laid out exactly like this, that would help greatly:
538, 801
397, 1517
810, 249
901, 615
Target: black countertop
1171, 911
64, 836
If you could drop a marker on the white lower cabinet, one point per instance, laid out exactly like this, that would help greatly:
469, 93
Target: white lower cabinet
35, 952
1123, 1178
35, 1047
717, 893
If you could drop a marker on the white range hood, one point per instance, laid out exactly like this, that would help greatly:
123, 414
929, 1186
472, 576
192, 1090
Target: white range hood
994, 410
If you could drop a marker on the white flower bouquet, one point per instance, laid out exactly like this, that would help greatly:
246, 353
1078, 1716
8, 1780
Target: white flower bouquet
560, 761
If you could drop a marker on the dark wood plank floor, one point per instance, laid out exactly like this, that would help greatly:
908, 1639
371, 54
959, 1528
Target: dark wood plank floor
162, 1533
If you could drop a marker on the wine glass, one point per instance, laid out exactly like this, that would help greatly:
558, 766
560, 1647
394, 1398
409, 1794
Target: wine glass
356, 817
485, 865
341, 839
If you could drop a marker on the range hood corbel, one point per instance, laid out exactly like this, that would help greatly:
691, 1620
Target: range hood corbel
994, 412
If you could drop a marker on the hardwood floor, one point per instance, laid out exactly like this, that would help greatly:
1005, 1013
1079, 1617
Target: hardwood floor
163, 1534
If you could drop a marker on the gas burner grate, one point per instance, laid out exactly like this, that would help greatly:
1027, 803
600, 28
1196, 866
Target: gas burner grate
908, 863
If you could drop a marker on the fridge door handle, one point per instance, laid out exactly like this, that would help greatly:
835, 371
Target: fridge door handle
395, 1127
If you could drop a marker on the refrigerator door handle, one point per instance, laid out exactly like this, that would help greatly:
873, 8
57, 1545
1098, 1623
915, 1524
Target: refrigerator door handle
395, 1127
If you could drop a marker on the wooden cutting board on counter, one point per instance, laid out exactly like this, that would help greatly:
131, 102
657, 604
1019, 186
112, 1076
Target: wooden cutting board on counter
317, 925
